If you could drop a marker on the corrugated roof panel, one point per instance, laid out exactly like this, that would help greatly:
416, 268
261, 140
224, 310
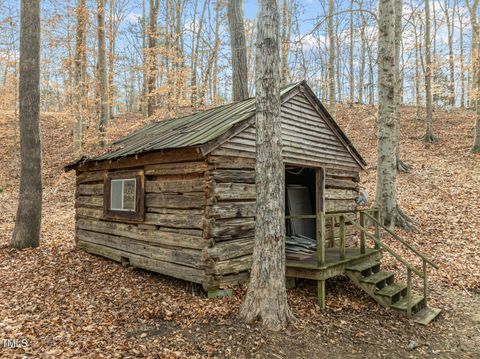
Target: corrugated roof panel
195, 129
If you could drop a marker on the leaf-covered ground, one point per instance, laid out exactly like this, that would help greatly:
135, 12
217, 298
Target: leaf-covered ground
67, 303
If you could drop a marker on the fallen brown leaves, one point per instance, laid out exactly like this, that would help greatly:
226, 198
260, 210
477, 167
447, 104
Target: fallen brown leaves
67, 303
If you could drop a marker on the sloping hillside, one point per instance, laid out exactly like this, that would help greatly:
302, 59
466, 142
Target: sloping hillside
68, 303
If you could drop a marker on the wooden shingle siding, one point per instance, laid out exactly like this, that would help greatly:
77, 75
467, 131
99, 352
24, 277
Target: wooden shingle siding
307, 139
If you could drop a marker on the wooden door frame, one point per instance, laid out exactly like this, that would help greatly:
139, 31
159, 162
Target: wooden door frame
320, 189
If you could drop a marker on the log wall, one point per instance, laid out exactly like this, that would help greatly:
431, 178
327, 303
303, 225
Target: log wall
171, 239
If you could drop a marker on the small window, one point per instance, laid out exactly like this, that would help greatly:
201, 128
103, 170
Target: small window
124, 195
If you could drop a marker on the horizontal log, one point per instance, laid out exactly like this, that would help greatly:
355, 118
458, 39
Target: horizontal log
166, 156
92, 176
234, 191
231, 210
90, 201
230, 162
334, 193
152, 236
232, 279
341, 183
184, 256
171, 269
230, 249
175, 200
176, 168
215, 282
103, 251
235, 265
239, 176
90, 189
175, 186
342, 174
339, 205
89, 212
175, 220
233, 228
178, 212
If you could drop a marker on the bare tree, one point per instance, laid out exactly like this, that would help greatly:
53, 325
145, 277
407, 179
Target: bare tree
152, 55
386, 190
266, 298
29, 212
401, 166
462, 64
80, 73
239, 50
286, 26
102, 72
429, 137
473, 8
350, 62
331, 59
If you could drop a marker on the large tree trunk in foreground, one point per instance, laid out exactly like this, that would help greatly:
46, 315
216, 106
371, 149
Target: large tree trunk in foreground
102, 72
386, 191
429, 137
238, 47
266, 298
29, 213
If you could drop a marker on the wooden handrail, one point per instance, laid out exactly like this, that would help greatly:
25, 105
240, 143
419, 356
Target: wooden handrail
389, 250
405, 243
302, 216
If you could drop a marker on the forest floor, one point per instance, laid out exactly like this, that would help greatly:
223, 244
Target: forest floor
67, 303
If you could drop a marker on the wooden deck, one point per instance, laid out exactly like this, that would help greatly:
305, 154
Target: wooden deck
310, 269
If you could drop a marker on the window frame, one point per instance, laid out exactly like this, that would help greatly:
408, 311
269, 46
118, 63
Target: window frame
138, 215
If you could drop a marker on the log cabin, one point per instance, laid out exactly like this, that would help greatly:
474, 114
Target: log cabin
178, 197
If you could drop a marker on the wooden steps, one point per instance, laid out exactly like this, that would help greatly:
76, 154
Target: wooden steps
381, 286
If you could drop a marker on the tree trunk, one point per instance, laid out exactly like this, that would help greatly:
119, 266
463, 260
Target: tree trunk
266, 297
29, 212
462, 66
331, 59
417, 75
195, 48
102, 72
351, 77
386, 190
361, 75
80, 73
450, 22
286, 24
473, 8
239, 50
429, 137
401, 166
152, 56
111, 56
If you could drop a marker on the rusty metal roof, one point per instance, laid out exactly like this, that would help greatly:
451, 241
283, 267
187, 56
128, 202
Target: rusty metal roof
195, 129
192, 130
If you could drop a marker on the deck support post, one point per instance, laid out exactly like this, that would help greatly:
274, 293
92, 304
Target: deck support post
321, 256
342, 236
377, 228
321, 294
425, 282
321, 238
409, 293
362, 232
